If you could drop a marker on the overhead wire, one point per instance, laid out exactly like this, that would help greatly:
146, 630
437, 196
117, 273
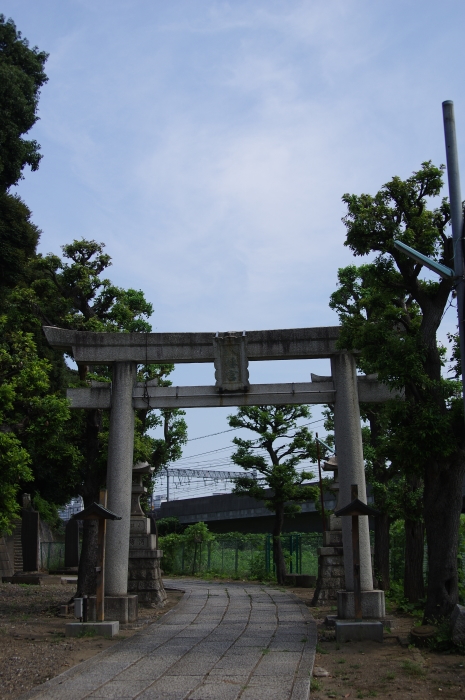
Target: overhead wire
230, 430
218, 463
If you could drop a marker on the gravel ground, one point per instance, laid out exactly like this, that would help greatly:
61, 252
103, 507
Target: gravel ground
33, 646
392, 670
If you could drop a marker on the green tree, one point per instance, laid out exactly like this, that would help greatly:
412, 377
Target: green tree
33, 420
281, 486
21, 77
391, 316
35, 439
73, 292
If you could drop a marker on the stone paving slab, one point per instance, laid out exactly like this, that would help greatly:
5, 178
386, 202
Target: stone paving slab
223, 641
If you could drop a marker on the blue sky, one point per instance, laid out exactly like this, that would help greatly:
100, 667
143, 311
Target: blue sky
208, 144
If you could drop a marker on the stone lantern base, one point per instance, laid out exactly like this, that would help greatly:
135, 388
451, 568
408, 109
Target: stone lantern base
144, 576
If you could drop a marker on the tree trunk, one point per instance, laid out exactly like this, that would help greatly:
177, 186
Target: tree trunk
443, 504
278, 556
381, 553
87, 577
382, 475
414, 587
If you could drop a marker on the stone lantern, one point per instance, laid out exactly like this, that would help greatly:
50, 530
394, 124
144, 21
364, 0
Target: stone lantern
144, 577
330, 557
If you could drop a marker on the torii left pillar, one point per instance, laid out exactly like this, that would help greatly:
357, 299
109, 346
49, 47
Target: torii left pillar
119, 477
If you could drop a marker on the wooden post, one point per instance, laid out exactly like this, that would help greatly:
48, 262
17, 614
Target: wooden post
356, 558
102, 526
322, 500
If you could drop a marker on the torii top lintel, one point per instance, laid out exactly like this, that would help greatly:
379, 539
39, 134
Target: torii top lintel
171, 348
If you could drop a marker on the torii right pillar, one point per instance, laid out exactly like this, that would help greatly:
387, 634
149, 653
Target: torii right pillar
349, 449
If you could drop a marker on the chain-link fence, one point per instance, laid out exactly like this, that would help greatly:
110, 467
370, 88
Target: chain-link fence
241, 556
52, 555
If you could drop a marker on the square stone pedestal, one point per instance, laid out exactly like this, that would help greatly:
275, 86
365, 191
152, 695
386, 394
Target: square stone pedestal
354, 631
102, 629
123, 608
457, 623
373, 605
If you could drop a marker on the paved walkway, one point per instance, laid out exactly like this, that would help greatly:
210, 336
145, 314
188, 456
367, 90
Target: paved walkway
222, 641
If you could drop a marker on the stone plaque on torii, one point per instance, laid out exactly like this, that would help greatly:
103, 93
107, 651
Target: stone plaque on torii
230, 354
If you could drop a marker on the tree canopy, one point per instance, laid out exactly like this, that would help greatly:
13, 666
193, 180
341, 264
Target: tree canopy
391, 315
21, 77
280, 486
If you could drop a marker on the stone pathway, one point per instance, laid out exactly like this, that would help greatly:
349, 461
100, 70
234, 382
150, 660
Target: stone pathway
223, 641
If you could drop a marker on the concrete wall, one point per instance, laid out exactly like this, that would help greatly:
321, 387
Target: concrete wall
231, 513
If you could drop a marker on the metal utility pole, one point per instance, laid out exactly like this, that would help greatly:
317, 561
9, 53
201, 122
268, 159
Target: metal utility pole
167, 485
455, 198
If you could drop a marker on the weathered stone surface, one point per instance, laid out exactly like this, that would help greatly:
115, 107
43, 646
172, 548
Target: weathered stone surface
106, 348
319, 672
332, 539
347, 631
143, 541
330, 551
146, 553
333, 571
120, 460
332, 561
457, 622
335, 524
139, 526
351, 466
373, 605
144, 572
123, 608
231, 365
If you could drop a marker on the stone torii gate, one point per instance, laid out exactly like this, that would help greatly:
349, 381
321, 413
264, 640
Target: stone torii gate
230, 354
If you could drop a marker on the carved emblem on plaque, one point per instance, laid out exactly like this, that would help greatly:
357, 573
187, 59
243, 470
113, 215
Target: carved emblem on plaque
231, 365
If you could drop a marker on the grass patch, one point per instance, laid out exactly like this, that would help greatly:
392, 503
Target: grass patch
341, 661
88, 632
315, 685
412, 668
389, 676
319, 649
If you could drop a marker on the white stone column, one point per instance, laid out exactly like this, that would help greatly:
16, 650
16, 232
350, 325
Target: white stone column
348, 437
119, 477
